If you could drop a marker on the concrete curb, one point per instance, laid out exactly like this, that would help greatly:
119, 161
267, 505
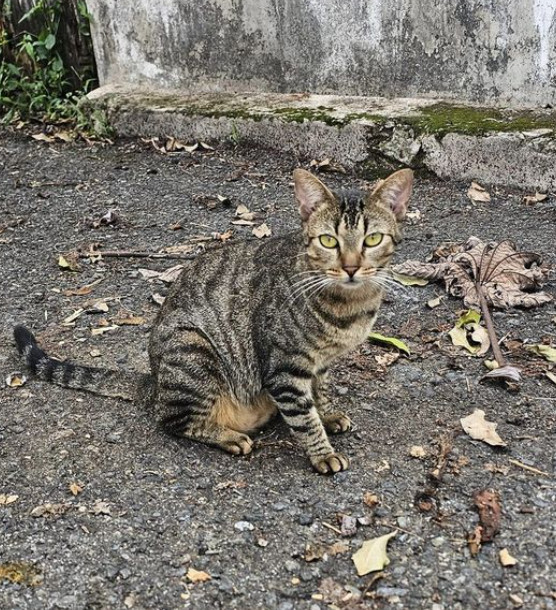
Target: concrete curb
370, 135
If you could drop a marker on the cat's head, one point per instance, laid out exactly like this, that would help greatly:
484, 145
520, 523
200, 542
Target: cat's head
351, 235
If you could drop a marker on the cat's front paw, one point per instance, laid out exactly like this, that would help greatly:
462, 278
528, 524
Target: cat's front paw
336, 423
330, 464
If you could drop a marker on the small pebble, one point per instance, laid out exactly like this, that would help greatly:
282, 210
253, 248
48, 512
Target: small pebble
243, 526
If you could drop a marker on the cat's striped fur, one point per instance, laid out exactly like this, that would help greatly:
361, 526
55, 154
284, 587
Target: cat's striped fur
252, 328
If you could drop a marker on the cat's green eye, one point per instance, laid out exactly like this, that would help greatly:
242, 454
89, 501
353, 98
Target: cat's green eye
373, 239
328, 241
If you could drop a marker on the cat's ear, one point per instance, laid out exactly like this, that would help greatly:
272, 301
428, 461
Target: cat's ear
394, 192
310, 193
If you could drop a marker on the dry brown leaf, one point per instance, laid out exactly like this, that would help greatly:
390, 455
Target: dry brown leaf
476, 426
262, 231
195, 576
534, 199
387, 359
168, 276
490, 513
477, 193
370, 499
509, 278
506, 559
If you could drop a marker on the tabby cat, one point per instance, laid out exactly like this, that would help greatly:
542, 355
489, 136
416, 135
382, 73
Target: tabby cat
251, 328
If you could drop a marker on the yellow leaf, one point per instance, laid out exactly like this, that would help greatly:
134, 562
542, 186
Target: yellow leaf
372, 555
409, 280
197, 575
397, 343
476, 426
547, 352
506, 559
471, 315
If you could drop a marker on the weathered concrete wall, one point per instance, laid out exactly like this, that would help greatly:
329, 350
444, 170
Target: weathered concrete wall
488, 51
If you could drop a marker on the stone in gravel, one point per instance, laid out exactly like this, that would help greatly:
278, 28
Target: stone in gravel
279, 506
342, 391
292, 566
438, 541
305, 519
243, 526
113, 438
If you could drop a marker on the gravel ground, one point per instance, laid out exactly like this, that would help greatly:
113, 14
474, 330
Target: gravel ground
148, 508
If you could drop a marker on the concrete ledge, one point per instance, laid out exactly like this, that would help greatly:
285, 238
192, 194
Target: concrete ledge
494, 146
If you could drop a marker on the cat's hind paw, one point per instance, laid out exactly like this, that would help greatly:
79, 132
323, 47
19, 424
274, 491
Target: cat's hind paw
336, 423
236, 443
330, 464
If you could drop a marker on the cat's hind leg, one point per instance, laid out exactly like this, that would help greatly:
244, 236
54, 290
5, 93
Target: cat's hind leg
190, 384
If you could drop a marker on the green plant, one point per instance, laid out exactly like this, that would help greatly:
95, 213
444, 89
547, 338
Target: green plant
36, 82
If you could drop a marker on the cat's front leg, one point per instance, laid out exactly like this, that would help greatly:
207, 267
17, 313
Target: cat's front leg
294, 397
334, 421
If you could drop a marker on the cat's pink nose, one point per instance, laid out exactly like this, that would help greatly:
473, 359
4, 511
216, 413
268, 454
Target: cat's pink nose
350, 270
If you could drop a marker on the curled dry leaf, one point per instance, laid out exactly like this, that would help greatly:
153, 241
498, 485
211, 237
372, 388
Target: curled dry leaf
476, 426
370, 499
506, 372
477, 193
372, 555
168, 276
508, 278
506, 559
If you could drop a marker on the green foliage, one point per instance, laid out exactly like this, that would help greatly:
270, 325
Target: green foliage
35, 83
